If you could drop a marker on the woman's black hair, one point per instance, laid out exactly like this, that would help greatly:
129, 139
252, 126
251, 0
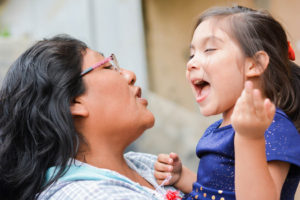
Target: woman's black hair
257, 30
36, 125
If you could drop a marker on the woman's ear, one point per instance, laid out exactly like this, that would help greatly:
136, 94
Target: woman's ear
78, 108
257, 65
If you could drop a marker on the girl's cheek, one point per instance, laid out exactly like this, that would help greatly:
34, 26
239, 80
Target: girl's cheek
187, 74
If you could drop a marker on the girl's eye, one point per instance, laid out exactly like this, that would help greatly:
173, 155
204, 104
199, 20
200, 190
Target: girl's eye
209, 49
191, 56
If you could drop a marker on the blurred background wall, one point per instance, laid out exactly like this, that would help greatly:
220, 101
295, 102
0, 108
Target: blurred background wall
150, 37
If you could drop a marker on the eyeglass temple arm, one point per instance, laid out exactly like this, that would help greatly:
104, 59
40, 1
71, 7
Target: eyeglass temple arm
96, 65
86, 70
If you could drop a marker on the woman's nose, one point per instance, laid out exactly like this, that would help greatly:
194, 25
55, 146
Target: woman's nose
129, 76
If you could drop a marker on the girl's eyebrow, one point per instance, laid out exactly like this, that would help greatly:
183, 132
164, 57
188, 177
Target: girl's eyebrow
208, 38
212, 38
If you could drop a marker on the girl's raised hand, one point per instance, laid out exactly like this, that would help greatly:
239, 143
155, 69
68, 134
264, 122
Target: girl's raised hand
252, 113
167, 165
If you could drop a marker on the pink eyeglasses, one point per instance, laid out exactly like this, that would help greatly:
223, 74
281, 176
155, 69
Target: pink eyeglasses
115, 66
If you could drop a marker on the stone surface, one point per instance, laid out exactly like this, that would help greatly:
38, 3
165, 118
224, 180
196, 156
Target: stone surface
10, 49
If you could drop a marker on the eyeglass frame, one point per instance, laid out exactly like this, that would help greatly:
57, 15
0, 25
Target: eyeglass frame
112, 58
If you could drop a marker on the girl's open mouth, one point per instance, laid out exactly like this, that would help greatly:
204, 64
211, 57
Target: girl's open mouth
202, 89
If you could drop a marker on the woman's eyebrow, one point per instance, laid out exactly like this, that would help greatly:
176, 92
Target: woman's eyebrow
102, 54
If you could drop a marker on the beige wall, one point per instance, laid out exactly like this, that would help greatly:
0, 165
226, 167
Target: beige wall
287, 12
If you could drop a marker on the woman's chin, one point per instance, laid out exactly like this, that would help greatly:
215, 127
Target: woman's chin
151, 122
148, 122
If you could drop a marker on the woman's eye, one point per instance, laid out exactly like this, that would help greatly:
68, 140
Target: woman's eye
209, 49
108, 67
191, 56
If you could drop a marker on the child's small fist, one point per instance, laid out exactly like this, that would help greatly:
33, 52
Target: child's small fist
167, 165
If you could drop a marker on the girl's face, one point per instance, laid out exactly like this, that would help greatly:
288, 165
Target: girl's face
215, 69
114, 104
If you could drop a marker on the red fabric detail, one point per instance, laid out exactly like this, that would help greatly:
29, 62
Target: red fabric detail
291, 52
172, 195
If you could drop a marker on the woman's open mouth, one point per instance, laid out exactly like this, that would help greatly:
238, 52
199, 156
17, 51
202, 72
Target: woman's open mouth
138, 95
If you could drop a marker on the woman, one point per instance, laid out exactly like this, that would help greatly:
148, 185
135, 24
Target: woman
67, 115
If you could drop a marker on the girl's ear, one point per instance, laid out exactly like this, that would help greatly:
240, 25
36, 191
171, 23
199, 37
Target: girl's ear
257, 65
78, 108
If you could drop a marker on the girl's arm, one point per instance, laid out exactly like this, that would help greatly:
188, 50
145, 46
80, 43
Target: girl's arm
255, 178
170, 165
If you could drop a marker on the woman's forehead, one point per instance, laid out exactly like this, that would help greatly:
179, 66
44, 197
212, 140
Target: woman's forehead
91, 57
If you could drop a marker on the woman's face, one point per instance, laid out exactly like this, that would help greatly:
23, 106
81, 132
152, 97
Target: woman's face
215, 69
113, 102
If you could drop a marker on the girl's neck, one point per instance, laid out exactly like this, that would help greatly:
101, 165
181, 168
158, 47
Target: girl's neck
227, 114
227, 117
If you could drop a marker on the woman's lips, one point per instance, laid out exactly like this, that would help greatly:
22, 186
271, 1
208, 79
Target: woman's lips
138, 95
143, 101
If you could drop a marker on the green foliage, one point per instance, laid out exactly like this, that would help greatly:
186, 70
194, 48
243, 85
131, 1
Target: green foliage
4, 32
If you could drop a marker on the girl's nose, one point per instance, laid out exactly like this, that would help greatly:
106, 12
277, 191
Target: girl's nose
129, 76
191, 65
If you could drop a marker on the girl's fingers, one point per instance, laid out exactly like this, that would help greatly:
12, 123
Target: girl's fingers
270, 108
164, 158
174, 157
258, 103
248, 93
161, 176
162, 167
244, 102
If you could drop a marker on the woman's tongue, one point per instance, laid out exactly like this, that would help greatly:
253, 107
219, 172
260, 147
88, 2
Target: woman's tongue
202, 92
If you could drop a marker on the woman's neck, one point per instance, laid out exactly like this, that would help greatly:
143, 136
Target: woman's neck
111, 158
108, 157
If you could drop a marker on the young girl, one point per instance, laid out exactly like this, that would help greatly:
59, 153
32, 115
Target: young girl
232, 47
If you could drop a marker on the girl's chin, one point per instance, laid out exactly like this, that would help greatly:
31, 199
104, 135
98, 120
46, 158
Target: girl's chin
207, 112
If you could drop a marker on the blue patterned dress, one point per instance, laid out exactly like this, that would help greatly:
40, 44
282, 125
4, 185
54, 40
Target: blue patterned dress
215, 177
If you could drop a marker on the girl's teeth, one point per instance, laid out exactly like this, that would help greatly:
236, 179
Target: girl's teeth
197, 82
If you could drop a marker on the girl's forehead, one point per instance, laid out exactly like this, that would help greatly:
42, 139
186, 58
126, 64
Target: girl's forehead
210, 30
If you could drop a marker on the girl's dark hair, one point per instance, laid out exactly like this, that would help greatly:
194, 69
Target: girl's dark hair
258, 30
36, 125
